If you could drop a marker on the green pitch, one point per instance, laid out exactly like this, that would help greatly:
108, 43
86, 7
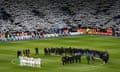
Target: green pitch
8, 60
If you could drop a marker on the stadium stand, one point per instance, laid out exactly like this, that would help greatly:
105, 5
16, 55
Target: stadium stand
29, 15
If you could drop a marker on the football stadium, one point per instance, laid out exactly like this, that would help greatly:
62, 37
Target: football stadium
59, 35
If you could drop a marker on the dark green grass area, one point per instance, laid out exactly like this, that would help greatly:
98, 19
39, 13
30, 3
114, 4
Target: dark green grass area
8, 60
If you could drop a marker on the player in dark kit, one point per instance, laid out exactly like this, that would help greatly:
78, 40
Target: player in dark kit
19, 53
93, 57
79, 58
28, 52
70, 59
73, 58
64, 60
36, 51
45, 51
24, 53
105, 57
76, 58
88, 57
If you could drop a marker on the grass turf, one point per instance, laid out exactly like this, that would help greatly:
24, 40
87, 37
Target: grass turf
8, 60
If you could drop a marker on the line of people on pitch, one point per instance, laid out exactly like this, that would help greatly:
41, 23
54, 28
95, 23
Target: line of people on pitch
75, 54
70, 59
26, 52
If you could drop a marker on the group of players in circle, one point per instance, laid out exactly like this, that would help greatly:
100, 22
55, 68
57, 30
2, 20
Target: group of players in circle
73, 55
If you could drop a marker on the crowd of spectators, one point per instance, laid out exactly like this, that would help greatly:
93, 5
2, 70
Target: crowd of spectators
29, 15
